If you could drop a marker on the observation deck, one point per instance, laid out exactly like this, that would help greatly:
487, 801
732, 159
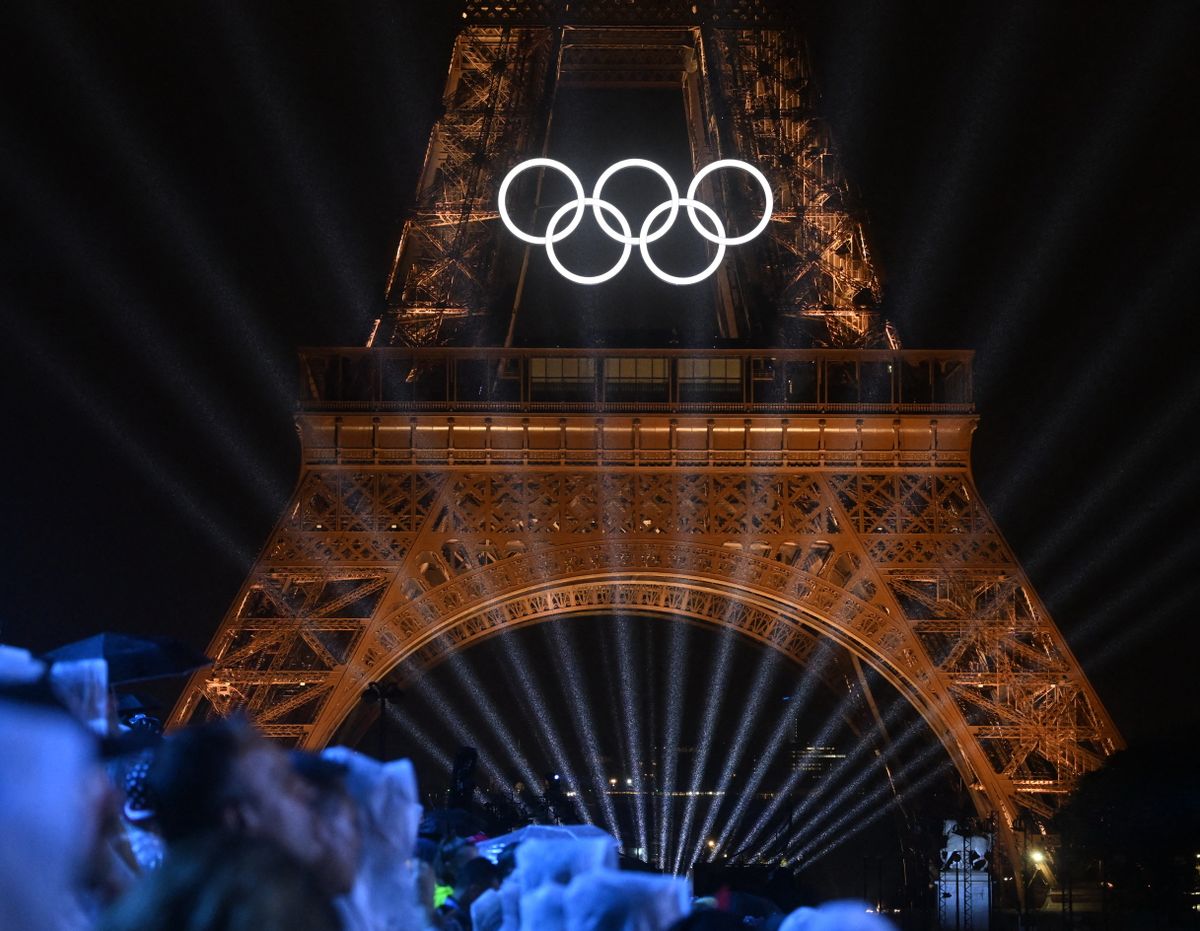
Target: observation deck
665, 407
643, 380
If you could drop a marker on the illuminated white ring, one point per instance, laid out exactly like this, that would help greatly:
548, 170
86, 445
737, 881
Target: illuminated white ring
754, 173
597, 205
692, 205
673, 203
577, 203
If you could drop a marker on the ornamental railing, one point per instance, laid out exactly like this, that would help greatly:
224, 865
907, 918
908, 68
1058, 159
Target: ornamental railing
741, 14
530, 380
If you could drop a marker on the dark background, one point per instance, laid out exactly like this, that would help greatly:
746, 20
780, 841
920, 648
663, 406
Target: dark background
191, 191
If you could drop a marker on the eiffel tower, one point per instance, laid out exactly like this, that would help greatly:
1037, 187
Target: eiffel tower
809, 481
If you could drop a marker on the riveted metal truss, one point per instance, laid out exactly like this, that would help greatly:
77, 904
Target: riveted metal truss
379, 562
815, 266
441, 281
825, 494
747, 92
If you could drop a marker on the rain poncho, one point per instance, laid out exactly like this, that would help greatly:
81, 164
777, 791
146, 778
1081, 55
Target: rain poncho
608, 900
494, 847
510, 905
836, 916
526, 902
384, 897
559, 861
82, 685
48, 781
18, 667
543, 910
487, 912
798, 920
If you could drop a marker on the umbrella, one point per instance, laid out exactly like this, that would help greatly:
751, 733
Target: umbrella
493, 847
133, 659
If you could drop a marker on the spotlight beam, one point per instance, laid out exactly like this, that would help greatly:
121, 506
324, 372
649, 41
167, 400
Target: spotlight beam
585, 733
1147, 621
832, 723
796, 706
1155, 432
836, 776
156, 190
805, 836
427, 743
847, 791
712, 704
615, 685
295, 144
751, 709
158, 350
517, 662
453, 720
676, 663
1146, 581
940, 771
1124, 102
940, 207
832, 778
1081, 390
485, 706
630, 676
142, 459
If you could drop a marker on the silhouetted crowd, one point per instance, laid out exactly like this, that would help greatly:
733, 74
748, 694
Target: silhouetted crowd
107, 824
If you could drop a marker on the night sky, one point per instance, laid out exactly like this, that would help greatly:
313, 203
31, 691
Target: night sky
192, 191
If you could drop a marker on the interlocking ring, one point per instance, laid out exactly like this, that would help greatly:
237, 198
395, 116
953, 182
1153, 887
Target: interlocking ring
598, 206
647, 234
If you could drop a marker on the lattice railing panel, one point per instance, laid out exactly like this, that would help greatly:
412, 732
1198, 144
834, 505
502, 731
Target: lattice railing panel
919, 503
732, 504
630, 12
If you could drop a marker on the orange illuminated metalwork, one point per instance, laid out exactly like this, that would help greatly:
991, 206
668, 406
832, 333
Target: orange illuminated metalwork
824, 491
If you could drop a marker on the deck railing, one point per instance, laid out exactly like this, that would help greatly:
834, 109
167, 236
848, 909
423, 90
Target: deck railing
636, 380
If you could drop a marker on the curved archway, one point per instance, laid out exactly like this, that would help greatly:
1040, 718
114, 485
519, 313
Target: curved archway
717, 735
780, 606
902, 567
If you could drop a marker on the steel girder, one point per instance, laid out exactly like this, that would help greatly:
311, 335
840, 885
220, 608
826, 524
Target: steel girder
378, 562
747, 93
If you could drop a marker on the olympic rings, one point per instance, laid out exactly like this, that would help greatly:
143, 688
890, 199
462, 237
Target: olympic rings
540, 163
756, 175
648, 233
597, 205
658, 170
692, 205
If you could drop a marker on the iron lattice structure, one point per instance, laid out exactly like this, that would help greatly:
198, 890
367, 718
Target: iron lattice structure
791, 494
748, 94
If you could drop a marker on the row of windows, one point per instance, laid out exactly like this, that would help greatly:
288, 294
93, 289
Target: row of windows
634, 369
582, 379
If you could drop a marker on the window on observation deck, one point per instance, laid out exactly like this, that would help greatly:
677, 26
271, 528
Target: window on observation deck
718, 380
636, 379
558, 379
